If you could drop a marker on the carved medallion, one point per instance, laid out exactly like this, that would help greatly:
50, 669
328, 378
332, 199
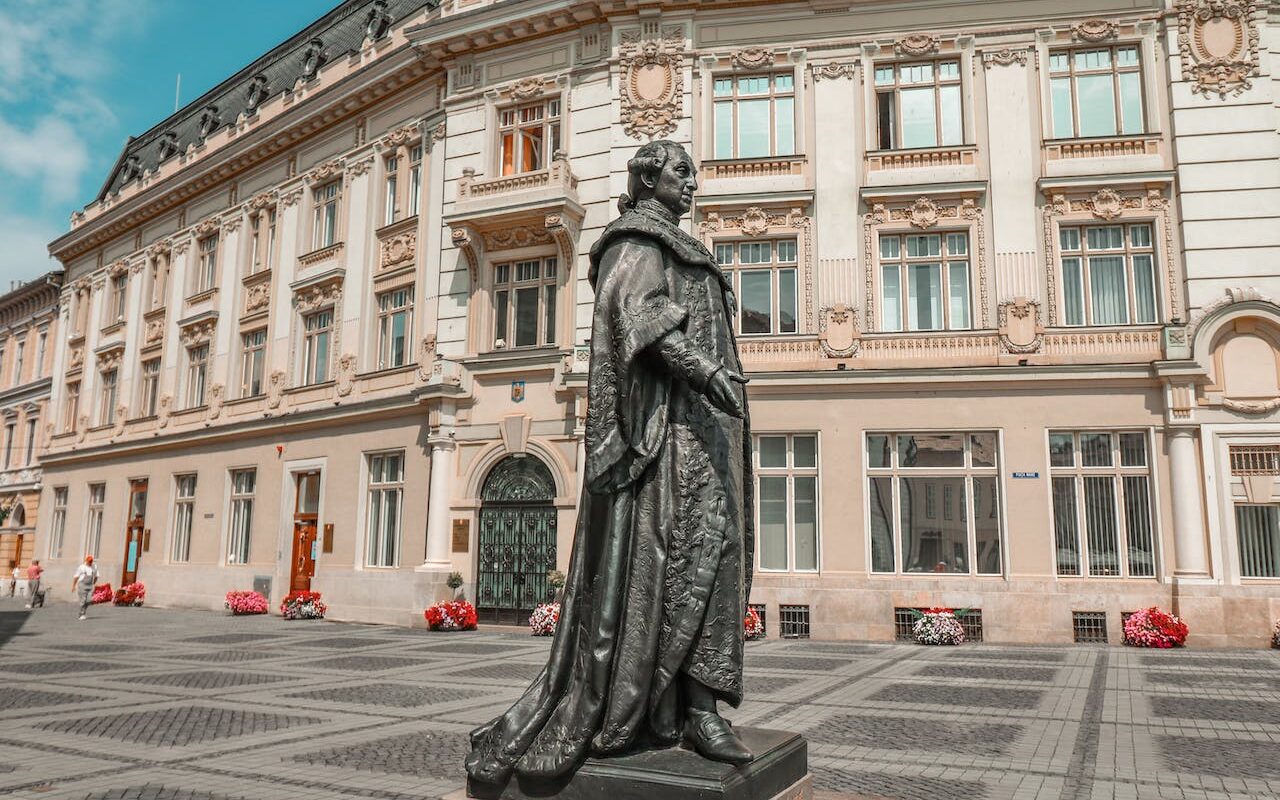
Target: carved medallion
917, 44
652, 83
923, 213
838, 331
398, 249
1019, 324
1094, 30
1218, 42
752, 58
1106, 204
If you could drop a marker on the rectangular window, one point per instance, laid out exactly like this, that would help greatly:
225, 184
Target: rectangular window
207, 264
197, 371
1258, 536
395, 321
263, 240
764, 278
184, 504
390, 195
386, 496
58, 526
71, 407
1108, 275
934, 503
318, 328
924, 281
93, 525
42, 347
787, 501
529, 136
10, 433
415, 179
1096, 91
107, 396
325, 199
118, 299
31, 442
1103, 524
754, 116
524, 303
243, 483
18, 359
253, 362
919, 105
150, 387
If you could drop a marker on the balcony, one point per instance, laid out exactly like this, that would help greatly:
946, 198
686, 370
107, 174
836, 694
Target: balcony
919, 165
789, 173
541, 190
1103, 155
324, 255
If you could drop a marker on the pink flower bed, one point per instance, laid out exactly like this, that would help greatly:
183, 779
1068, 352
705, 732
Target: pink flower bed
455, 615
242, 603
1154, 627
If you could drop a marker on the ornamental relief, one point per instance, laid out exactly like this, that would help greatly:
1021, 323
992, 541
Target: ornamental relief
838, 335
917, 44
396, 250
752, 58
1094, 30
516, 237
400, 136
263, 200
652, 82
1005, 57
327, 170
1218, 44
1019, 324
833, 71
257, 297
317, 296
154, 331
110, 359
198, 333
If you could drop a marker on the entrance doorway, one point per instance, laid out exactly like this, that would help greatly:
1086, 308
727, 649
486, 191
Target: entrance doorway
517, 540
306, 511
134, 531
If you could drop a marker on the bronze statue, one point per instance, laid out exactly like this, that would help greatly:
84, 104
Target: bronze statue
650, 636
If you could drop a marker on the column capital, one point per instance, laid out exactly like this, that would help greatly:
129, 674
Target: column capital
442, 441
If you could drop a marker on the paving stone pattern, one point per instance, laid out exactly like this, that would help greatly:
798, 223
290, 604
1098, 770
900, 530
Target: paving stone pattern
214, 707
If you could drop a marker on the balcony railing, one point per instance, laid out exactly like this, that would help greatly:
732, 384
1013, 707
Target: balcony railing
960, 156
1102, 148
772, 167
556, 175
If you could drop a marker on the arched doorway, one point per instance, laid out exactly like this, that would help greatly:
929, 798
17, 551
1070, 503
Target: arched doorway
517, 541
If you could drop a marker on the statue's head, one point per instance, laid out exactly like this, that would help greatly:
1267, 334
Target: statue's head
663, 171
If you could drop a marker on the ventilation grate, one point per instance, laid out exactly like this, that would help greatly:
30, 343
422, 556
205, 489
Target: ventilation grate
1255, 459
1089, 627
793, 622
764, 620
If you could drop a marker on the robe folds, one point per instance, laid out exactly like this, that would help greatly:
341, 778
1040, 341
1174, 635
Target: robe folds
661, 566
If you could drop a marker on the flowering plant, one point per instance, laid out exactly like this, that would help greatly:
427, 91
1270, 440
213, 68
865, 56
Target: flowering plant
131, 594
752, 625
1275, 635
102, 593
542, 622
1153, 627
455, 615
302, 605
246, 603
938, 626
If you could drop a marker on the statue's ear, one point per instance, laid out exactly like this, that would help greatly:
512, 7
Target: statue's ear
649, 179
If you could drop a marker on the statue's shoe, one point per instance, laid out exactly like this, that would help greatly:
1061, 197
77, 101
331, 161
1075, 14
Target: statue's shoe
711, 735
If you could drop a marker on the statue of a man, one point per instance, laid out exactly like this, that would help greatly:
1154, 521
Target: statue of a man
650, 635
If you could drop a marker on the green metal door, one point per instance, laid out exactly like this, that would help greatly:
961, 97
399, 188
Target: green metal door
517, 544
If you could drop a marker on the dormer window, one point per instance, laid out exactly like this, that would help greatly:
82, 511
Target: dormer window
168, 145
256, 94
209, 121
529, 136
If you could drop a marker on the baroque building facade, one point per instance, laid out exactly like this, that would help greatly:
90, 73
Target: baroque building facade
1005, 275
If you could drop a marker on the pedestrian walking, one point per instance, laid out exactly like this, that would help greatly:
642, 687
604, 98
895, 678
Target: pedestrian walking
84, 581
33, 582
13, 577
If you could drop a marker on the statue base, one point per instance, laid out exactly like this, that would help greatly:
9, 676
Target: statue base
780, 771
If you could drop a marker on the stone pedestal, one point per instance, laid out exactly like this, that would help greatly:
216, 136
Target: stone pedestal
780, 771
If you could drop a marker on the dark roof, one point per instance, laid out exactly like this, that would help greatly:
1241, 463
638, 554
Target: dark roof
20, 304
335, 35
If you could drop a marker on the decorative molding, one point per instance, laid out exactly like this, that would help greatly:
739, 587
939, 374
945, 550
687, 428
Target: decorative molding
318, 295
1094, 30
917, 44
180, 246
757, 221
118, 268
1218, 45
231, 223
1231, 296
198, 332
214, 401
161, 249
438, 133
1251, 406
110, 358
397, 249
1019, 325
527, 88
401, 136
345, 379
289, 198
360, 166
205, 228
652, 82
164, 410
564, 230
464, 241
516, 236
752, 58
833, 71
263, 200
838, 331
154, 330
275, 388
426, 357
257, 297
327, 170
1005, 57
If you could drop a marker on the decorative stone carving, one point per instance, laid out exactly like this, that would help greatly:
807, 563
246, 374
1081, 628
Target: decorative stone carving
377, 22
755, 221
231, 222
923, 213
154, 331
110, 359
833, 70
82, 429
345, 379
199, 332
263, 200
205, 228
838, 331
438, 132
256, 94
360, 167
257, 297
209, 121
1218, 44
118, 268
213, 402
1004, 57
1106, 204
1231, 296
517, 236
317, 296
400, 137
290, 197
426, 357
564, 231
527, 88
312, 59
168, 145
181, 245
652, 82
1094, 30
327, 170
398, 249
160, 249
76, 359
275, 388
752, 58
917, 44
164, 410
1251, 406
1019, 324
462, 239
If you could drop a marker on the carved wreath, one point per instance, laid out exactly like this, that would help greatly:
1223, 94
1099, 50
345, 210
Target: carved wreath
1211, 61
917, 44
1094, 30
652, 85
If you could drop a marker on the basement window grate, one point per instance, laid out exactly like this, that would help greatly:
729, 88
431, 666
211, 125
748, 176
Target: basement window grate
793, 622
1089, 627
764, 620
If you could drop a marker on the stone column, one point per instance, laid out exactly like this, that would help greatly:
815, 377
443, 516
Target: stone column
438, 497
1188, 513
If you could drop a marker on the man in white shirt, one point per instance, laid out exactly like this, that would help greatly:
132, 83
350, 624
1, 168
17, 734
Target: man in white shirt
83, 583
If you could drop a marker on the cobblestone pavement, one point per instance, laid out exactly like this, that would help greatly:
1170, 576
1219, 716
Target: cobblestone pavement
148, 704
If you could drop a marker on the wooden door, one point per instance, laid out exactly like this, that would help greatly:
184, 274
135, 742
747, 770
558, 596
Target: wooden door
304, 556
133, 532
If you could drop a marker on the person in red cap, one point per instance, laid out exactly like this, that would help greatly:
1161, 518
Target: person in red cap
83, 583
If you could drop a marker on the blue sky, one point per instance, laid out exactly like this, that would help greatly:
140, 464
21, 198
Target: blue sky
78, 77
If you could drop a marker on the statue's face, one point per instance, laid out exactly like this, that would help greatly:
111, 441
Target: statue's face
676, 184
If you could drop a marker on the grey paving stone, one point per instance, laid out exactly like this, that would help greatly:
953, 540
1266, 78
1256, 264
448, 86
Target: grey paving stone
817, 648
235, 638
471, 648
916, 733
1194, 679
989, 672
13, 698
207, 679
758, 685
345, 642
1222, 757
416, 753
214, 656
178, 727
98, 647
154, 791
368, 663
1005, 654
1175, 658
895, 787
392, 695
513, 671
943, 695
1216, 709
58, 667
796, 662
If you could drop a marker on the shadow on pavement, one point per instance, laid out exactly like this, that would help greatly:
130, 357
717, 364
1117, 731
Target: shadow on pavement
11, 623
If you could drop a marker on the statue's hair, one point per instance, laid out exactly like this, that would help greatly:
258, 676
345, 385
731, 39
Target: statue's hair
647, 162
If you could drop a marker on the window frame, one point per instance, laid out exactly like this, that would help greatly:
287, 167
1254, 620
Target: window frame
789, 472
937, 83
180, 501
240, 531
117, 298
376, 491
387, 312
205, 278
108, 395
326, 228
71, 406
196, 391
1115, 70
95, 510
552, 124
310, 360
253, 363
149, 387
19, 359
1127, 252
903, 261
503, 301
262, 249
733, 100
736, 269
58, 521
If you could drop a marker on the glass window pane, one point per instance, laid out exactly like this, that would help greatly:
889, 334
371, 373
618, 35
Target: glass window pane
930, 450
919, 121
723, 87
1062, 450
878, 451
1127, 56
1095, 103
1144, 289
1063, 114
1137, 519
783, 83
784, 126
773, 451
957, 244
933, 541
1133, 449
787, 251
724, 254
924, 246
1258, 537
753, 128
1073, 291
986, 525
500, 311
1100, 524
924, 298
526, 317
805, 524
1066, 526
958, 294
1131, 103
889, 247
757, 301
886, 121
982, 449
724, 130
549, 308
773, 522
786, 301
1059, 62
1110, 237
1108, 294
804, 451
950, 114
949, 71
891, 302
884, 76
1140, 235
1095, 449
880, 502
1069, 238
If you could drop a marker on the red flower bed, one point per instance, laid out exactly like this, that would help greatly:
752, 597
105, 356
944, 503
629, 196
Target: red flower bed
102, 593
752, 625
303, 605
1153, 627
455, 615
131, 594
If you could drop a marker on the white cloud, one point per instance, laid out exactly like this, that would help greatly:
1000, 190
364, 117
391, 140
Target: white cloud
51, 154
25, 254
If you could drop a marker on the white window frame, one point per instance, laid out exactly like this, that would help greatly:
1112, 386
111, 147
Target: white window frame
58, 522
149, 387
94, 512
197, 375
1115, 70
936, 83
30, 446
732, 257
108, 394
71, 406
376, 492
240, 515
789, 472
253, 362
311, 360
507, 281
326, 224
262, 244
184, 513
206, 274
118, 298
901, 264
391, 304
1128, 252
725, 92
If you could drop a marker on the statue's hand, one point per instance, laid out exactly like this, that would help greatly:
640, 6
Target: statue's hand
724, 395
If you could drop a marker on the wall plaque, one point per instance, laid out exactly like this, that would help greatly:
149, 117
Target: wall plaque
328, 537
462, 536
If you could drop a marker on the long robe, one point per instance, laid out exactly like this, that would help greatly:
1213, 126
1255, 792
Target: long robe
662, 556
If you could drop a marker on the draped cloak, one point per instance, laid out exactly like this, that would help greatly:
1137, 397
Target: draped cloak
662, 554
